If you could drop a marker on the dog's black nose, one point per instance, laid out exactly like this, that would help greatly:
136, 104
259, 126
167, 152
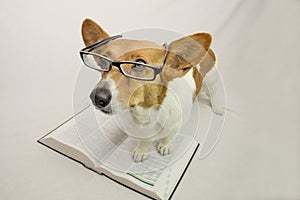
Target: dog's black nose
100, 97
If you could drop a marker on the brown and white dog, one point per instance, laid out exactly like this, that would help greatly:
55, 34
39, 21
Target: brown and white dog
145, 100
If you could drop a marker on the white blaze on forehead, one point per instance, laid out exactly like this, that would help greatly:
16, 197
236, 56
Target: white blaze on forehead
107, 83
110, 83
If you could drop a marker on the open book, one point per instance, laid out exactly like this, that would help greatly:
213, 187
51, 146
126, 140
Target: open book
97, 143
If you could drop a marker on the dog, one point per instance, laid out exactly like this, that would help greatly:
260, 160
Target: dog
136, 77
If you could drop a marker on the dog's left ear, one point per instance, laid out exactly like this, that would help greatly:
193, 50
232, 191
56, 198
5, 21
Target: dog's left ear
186, 52
92, 32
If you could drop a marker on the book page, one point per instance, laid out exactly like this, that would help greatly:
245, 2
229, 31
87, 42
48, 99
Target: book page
86, 137
68, 135
162, 182
113, 149
172, 174
106, 149
65, 140
150, 169
93, 133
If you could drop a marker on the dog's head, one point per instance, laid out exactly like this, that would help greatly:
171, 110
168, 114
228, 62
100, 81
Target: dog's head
126, 81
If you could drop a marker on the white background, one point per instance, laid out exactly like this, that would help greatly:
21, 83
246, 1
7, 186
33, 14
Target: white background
258, 47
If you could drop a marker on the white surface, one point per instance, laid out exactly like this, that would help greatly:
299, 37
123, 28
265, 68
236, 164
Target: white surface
258, 47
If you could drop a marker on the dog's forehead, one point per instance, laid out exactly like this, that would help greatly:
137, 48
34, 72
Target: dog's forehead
117, 48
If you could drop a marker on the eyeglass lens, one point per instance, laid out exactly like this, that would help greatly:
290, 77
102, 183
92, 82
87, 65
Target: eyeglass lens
96, 62
137, 70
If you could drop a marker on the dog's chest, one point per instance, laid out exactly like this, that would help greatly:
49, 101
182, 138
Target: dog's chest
183, 89
147, 123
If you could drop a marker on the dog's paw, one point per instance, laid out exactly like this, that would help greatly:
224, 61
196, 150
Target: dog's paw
218, 110
164, 149
140, 155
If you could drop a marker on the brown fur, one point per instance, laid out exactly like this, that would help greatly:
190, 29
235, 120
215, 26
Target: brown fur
144, 94
198, 82
183, 55
92, 32
207, 62
153, 94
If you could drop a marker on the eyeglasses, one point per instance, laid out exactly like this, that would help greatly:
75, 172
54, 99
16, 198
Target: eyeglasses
131, 69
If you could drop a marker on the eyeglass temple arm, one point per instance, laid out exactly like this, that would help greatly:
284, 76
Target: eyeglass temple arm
102, 42
166, 55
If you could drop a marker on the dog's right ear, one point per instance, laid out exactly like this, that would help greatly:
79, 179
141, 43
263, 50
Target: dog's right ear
92, 32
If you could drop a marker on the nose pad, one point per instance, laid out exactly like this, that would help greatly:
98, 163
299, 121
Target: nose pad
100, 97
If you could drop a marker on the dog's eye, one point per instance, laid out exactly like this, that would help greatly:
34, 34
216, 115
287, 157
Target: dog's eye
138, 67
141, 61
103, 64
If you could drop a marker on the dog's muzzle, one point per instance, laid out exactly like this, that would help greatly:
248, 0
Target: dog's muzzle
101, 98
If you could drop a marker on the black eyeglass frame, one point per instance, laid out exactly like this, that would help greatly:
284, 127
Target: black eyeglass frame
87, 51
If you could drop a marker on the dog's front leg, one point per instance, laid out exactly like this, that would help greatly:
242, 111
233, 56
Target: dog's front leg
140, 153
165, 144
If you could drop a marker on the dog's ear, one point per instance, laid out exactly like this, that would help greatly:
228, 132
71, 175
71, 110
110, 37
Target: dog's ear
186, 52
92, 32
